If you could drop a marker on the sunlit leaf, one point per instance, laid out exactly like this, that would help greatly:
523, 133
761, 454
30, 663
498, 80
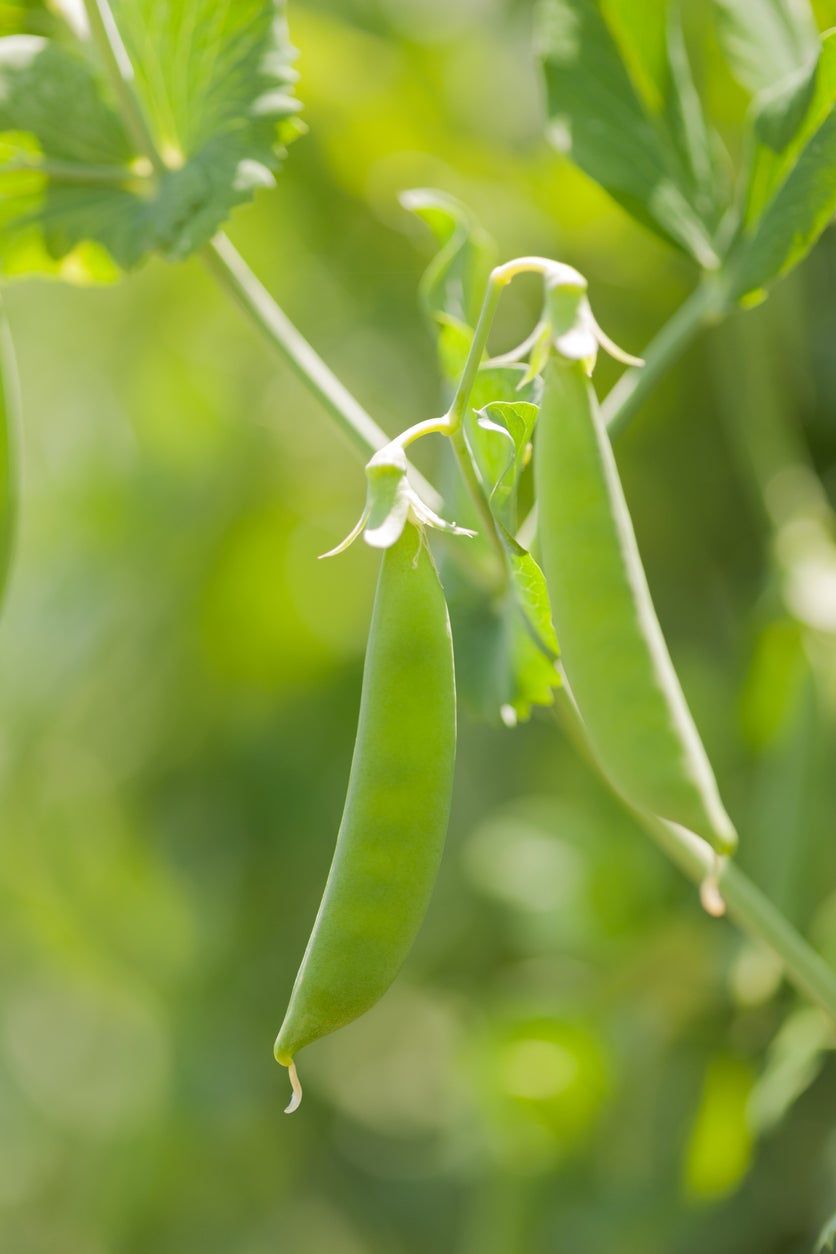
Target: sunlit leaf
8, 452
765, 41
792, 193
215, 86
499, 442
635, 135
532, 595
454, 283
787, 119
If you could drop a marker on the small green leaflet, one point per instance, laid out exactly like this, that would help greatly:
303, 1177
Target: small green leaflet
532, 595
501, 672
622, 105
498, 430
766, 41
454, 282
77, 197
792, 187
499, 434
8, 452
500, 450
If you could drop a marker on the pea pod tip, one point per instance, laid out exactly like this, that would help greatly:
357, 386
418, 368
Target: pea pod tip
296, 1098
711, 896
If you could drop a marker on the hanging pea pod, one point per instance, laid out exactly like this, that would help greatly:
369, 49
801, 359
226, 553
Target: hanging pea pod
8, 451
613, 651
395, 819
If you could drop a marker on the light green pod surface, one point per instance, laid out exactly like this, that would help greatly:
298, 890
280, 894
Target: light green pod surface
392, 833
8, 451
613, 651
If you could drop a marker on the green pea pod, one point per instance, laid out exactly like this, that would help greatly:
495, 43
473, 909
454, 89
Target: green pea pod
612, 647
8, 451
395, 819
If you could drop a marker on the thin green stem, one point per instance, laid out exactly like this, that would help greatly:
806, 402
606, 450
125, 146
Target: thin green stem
474, 487
746, 904
702, 307
461, 400
70, 172
363, 433
431, 426
117, 63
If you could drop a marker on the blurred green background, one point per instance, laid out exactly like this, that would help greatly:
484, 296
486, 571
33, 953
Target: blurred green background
575, 1058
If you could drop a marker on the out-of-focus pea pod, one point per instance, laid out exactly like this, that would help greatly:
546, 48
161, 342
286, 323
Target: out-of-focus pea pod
8, 451
395, 819
614, 655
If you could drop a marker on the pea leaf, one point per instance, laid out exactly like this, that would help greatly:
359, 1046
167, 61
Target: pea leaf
792, 186
500, 450
78, 198
785, 121
8, 452
627, 114
454, 283
531, 595
766, 41
498, 428
501, 672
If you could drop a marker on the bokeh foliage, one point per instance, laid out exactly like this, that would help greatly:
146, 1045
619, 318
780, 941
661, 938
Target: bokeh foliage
575, 1057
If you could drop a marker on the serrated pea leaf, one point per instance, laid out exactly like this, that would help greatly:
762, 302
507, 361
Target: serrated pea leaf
498, 459
214, 82
531, 593
8, 452
766, 41
792, 190
630, 117
454, 283
499, 442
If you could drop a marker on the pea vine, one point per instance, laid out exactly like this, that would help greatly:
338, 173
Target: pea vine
125, 133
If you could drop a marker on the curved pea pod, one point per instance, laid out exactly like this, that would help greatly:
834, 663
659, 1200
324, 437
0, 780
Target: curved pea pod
8, 452
613, 651
395, 819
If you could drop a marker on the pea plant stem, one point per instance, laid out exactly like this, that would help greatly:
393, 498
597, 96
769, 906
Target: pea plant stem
746, 904
461, 399
702, 307
362, 432
71, 172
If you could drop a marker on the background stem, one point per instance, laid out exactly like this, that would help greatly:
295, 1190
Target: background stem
362, 432
625, 399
